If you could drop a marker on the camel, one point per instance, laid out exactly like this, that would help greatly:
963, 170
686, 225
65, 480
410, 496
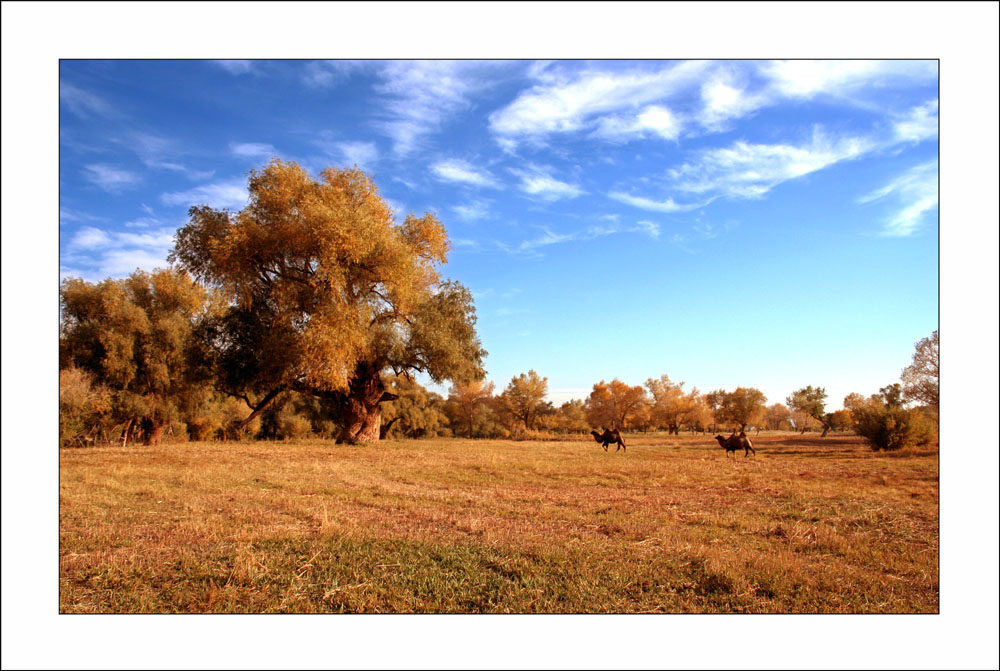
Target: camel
737, 442
609, 436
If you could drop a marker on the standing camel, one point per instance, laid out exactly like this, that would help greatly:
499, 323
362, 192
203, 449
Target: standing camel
609, 436
737, 442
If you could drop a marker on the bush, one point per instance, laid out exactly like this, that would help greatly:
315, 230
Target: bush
892, 427
84, 408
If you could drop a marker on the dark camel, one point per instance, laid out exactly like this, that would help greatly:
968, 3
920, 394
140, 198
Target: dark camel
610, 436
737, 442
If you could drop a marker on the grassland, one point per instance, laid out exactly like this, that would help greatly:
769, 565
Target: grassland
673, 526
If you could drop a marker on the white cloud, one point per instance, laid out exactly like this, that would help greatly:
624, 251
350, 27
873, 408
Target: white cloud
539, 181
920, 123
570, 103
324, 74
746, 170
455, 170
548, 237
667, 205
653, 120
722, 101
915, 193
475, 211
235, 67
362, 154
421, 95
109, 178
808, 78
85, 104
232, 194
90, 238
650, 228
253, 150
162, 154
95, 254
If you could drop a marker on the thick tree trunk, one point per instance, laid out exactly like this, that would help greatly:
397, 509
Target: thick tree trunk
826, 429
362, 406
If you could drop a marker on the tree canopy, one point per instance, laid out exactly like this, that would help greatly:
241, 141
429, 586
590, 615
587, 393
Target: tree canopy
326, 291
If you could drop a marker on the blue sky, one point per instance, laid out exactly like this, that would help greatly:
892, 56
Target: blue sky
729, 223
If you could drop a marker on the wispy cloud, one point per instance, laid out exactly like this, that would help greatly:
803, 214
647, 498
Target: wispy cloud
538, 181
809, 78
747, 170
456, 170
324, 74
95, 254
915, 194
258, 151
576, 101
362, 154
724, 99
476, 210
548, 237
109, 178
162, 153
920, 123
653, 120
421, 95
84, 103
666, 205
230, 194
235, 67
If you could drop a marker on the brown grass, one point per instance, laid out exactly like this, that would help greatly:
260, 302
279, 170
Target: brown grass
674, 526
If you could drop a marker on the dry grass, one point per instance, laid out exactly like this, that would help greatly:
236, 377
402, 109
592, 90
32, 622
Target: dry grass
810, 525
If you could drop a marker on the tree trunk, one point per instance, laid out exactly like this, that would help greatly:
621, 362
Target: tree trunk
384, 431
826, 429
152, 431
128, 425
362, 406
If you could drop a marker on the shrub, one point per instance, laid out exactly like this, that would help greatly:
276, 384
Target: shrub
889, 427
84, 407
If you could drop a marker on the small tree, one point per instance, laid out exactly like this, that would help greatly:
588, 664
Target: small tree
777, 417
920, 378
468, 405
524, 398
812, 402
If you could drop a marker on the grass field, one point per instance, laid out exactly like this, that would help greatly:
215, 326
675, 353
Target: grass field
673, 526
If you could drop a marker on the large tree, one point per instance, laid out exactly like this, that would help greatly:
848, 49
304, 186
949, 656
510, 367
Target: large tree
920, 378
612, 404
326, 293
671, 408
743, 406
